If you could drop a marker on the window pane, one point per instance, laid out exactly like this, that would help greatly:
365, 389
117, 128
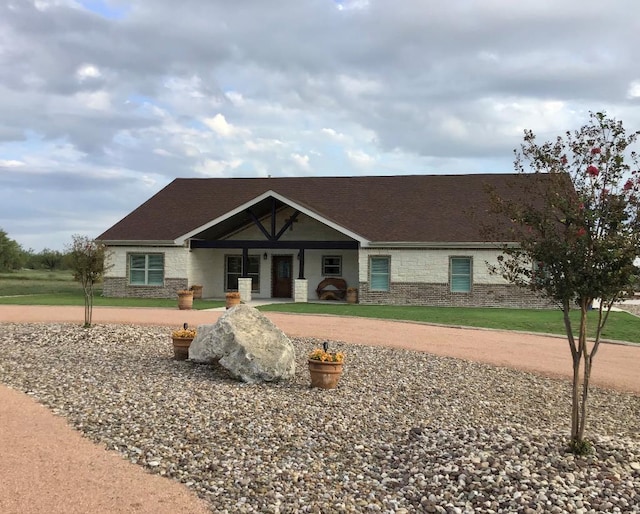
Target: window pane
234, 264
460, 266
155, 261
379, 282
232, 280
254, 264
137, 261
255, 282
461, 275
332, 265
380, 273
460, 284
155, 277
137, 277
379, 265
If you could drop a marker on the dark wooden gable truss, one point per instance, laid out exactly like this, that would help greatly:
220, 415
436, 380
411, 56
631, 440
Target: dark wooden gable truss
272, 240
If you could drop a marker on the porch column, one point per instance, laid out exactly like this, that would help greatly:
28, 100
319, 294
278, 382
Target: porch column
300, 290
244, 288
301, 263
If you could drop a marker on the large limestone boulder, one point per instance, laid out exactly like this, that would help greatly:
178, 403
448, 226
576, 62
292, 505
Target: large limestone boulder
246, 343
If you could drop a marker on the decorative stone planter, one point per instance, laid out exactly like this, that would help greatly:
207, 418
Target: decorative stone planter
352, 295
233, 299
185, 300
181, 347
324, 374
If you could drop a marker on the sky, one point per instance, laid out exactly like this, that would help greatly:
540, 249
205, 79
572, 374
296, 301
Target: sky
104, 102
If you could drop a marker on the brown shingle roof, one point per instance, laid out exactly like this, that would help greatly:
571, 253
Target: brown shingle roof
409, 208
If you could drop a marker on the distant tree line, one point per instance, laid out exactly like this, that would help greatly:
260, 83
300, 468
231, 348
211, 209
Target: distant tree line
14, 257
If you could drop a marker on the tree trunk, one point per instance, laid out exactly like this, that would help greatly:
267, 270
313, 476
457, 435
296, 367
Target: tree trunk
575, 398
585, 394
579, 406
88, 303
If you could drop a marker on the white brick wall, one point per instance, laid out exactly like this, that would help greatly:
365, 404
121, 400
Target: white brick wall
206, 266
175, 259
430, 265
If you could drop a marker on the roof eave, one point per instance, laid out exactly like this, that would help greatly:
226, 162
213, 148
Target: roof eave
437, 244
140, 242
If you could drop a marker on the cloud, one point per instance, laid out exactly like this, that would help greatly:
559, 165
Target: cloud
301, 161
221, 127
132, 91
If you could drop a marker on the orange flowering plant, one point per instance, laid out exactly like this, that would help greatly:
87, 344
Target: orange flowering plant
326, 356
185, 332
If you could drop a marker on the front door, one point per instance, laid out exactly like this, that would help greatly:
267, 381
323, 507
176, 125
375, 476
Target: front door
281, 271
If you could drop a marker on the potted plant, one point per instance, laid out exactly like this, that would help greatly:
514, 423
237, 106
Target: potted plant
325, 367
185, 299
233, 299
197, 291
182, 339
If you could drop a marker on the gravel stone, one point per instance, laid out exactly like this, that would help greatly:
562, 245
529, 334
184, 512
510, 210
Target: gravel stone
403, 432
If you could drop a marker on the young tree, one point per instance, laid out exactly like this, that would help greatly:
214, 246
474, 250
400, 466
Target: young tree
87, 260
576, 231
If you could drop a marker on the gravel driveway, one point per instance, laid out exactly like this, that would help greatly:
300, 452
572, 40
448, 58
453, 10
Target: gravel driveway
405, 431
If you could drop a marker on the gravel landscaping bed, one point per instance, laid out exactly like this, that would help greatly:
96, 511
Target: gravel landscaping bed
404, 431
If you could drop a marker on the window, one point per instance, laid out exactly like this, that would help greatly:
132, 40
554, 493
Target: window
460, 274
146, 269
332, 266
234, 272
379, 267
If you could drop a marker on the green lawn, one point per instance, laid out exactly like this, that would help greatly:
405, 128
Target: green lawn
38, 282
30, 287
621, 326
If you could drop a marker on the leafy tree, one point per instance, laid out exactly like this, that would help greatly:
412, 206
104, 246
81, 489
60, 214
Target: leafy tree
11, 253
87, 260
577, 234
50, 259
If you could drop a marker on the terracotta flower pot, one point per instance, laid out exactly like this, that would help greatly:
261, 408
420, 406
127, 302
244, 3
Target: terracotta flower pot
197, 292
325, 375
181, 347
185, 300
233, 299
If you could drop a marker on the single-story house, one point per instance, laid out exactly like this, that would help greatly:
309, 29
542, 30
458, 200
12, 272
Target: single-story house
409, 240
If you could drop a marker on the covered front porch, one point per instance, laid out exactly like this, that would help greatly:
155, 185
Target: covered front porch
271, 250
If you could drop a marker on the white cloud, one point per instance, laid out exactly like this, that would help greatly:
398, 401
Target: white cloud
263, 145
235, 98
11, 163
96, 100
189, 86
223, 128
355, 86
87, 71
360, 159
216, 168
301, 160
634, 89
333, 134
